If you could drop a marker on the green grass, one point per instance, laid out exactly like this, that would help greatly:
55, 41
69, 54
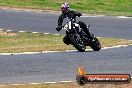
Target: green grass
28, 42
109, 7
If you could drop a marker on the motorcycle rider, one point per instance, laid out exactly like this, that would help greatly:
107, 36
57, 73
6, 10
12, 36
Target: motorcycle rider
67, 13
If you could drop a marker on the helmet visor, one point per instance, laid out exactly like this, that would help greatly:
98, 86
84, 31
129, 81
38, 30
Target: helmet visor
64, 9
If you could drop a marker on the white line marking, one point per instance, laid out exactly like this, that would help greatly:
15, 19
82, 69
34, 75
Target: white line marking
16, 84
56, 34
130, 44
42, 83
26, 53
28, 10
21, 31
35, 32
8, 30
34, 83
46, 33
99, 37
66, 81
123, 17
1, 29
70, 50
50, 82
118, 46
88, 16
19, 53
50, 51
93, 16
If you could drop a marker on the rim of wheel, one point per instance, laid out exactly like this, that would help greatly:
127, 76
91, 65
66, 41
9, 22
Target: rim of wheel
80, 43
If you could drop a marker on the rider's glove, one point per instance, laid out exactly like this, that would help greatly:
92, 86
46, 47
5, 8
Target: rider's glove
59, 28
80, 14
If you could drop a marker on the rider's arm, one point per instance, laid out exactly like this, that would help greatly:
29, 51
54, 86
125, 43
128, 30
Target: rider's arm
60, 20
77, 13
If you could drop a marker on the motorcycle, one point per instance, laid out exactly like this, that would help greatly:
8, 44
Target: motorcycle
78, 38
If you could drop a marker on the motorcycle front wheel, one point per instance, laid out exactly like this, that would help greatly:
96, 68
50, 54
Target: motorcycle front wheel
77, 43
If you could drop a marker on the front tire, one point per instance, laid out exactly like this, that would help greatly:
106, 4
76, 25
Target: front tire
77, 42
95, 45
66, 40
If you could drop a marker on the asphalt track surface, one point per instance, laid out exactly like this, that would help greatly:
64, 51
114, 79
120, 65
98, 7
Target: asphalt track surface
62, 66
46, 22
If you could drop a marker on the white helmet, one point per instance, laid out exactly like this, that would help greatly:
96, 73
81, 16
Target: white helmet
65, 7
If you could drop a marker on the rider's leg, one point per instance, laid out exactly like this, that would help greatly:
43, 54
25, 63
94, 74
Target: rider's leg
85, 29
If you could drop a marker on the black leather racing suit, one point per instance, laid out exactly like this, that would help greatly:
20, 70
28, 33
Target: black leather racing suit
72, 14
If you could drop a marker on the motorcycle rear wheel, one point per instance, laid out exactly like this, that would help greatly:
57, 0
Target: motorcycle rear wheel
95, 45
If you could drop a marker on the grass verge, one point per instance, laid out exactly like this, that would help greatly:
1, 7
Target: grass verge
69, 85
109, 7
11, 42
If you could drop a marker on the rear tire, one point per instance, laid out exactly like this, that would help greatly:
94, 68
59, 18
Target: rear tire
95, 45
77, 42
